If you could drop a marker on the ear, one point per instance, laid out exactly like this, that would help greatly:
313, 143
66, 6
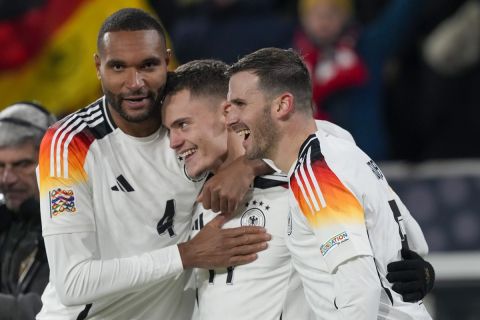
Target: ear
283, 106
168, 56
96, 58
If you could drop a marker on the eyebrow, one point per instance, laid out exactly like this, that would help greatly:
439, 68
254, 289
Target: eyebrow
151, 60
114, 62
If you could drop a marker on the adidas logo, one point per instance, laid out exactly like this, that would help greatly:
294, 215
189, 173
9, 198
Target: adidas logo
122, 185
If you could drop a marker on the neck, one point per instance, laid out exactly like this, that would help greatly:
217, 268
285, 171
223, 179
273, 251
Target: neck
295, 133
234, 150
136, 129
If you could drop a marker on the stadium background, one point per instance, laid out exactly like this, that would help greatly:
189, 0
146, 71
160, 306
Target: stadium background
432, 117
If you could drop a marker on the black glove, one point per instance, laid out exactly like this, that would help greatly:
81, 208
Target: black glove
412, 277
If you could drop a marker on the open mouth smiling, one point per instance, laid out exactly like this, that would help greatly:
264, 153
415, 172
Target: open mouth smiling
186, 153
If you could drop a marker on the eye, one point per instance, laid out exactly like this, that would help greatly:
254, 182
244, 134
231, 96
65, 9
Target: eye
23, 164
183, 125
150, 65
117, 67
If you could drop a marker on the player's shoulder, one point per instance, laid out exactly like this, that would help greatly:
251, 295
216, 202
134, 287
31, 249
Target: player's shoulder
330, 129
71, 138
91, 122
324, 151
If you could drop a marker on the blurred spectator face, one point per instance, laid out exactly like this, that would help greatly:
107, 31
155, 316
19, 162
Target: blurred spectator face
324, 20
132, 66
197, 129
17, 174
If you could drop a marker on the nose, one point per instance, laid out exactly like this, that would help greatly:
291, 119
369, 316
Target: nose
8, 176
231, 114
134, 80
176, 140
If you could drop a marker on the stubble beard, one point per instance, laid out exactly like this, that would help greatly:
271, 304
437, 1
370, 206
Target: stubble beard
155, 101
265, 136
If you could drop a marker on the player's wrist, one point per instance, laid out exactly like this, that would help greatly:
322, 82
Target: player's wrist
257, 167
184, 249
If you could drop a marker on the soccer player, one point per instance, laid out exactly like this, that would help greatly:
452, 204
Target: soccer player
193, 112
116, 205
342, 207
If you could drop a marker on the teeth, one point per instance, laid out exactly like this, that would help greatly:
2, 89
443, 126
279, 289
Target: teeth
244, 132
187, 153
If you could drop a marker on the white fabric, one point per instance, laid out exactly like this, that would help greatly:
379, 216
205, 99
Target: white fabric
340, 203
257, 290
107, 250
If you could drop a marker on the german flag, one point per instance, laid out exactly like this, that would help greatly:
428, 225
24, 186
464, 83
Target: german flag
47, 51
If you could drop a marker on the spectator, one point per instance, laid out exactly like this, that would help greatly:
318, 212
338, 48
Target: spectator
346, 63
23, 265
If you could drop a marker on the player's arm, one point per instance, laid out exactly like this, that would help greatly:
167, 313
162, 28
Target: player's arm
412, 277
357, 288
224, 191
81, 277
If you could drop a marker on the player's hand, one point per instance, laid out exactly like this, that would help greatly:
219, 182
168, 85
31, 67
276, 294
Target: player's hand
412, 277
214, 247
226, 189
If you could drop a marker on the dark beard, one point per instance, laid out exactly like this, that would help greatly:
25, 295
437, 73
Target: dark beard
266, 135
155, 100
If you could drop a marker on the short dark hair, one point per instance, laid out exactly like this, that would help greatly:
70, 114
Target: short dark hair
201, 77
130, 19
278, 70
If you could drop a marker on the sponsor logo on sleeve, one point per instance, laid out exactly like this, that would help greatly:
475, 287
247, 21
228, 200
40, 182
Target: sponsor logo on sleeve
62, 201
333, 242
375, 169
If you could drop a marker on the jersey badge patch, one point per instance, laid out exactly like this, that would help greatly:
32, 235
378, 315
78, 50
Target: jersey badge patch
253, 217
253, 214
375, 169
333, 242
62, 201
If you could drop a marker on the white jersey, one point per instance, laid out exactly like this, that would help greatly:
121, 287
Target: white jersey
257, 290
114, 207
342, 209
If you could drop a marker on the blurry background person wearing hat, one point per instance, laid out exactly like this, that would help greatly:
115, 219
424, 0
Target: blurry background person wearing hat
23, 265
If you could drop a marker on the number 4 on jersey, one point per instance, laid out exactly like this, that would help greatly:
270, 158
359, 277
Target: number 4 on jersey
166, 223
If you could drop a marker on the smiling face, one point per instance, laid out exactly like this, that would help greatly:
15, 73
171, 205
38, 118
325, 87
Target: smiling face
198, 133
249, 115
132, 67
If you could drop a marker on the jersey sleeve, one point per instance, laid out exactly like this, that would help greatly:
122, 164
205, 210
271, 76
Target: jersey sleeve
62, 174
330, 208
82, 277
415, 237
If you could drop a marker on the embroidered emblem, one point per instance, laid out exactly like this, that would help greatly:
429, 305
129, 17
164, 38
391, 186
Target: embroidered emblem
333, 242
253, 217
62, 201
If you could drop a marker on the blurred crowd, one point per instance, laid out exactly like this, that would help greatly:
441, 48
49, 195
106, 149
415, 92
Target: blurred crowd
401, 75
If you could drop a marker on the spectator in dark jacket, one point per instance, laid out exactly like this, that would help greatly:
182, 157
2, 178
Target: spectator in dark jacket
23, 265
346, 62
